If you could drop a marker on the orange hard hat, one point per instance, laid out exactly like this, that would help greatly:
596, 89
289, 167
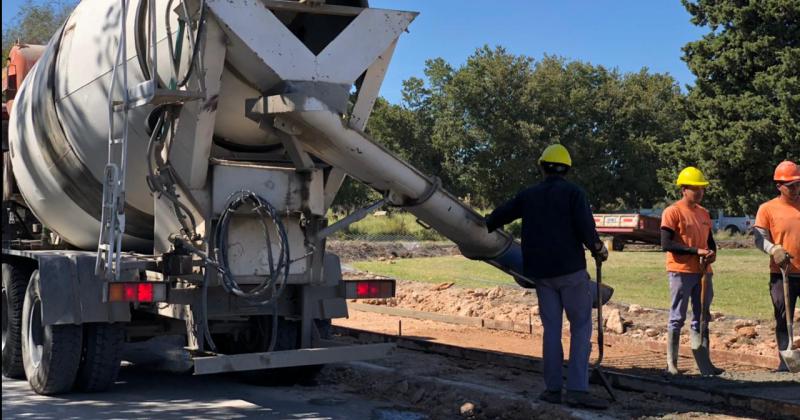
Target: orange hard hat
787, 171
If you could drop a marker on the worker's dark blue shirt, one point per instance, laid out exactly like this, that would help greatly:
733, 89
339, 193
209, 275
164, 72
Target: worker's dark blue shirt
556, 224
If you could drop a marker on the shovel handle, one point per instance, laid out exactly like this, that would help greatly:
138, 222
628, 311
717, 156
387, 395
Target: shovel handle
703, 268
599, 275
789, 322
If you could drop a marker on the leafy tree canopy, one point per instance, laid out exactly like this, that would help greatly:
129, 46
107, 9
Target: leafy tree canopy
744, 111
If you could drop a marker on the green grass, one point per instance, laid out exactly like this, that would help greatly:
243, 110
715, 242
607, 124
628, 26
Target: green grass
400, 223
740, 278
396, 223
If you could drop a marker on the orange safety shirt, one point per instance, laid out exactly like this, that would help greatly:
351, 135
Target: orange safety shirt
692, 226
782, 220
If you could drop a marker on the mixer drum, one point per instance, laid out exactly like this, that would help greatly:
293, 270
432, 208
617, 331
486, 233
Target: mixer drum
58, 129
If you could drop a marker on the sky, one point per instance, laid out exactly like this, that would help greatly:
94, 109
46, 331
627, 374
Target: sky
622, 34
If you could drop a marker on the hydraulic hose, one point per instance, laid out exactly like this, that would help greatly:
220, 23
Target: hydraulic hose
273, 284
140, 39
269, 290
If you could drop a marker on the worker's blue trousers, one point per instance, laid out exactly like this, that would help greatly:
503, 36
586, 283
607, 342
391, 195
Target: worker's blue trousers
568, 293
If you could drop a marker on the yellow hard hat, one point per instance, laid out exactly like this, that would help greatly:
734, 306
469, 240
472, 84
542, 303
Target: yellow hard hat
691, 176
556, 153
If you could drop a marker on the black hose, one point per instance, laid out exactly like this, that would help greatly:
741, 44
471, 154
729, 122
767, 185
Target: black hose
273, 285
201, 25
139, 41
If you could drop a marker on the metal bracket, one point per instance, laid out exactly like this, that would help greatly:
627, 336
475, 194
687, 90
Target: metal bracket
436, 183
370, 88
350, 219
287, 133
333, 184
146, 93
284, 103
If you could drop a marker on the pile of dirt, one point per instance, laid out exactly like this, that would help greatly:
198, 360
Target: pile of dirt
370, 250
366, 250
520, 306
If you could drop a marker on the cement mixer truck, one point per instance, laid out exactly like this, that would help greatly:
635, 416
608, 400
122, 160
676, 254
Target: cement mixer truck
168, 169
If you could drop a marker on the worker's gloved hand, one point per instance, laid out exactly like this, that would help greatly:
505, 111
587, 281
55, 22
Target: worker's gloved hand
779, 255
707, 256
600, 251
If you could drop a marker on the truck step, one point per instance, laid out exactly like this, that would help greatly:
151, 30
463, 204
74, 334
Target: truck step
290, 358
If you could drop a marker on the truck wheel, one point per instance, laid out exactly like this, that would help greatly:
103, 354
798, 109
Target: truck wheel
617, 244
288, 339
307, 374
101, 356
51, 354
732, 229
15, 281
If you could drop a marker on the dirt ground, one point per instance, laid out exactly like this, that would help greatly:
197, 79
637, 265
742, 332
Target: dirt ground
752, 337
631, 321
371, 250
444, 388
368, 250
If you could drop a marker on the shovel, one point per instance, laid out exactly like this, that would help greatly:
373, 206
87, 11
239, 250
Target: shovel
597, 373
700, 349
790, 356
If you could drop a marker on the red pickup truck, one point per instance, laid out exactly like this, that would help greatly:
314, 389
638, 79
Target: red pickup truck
629, 228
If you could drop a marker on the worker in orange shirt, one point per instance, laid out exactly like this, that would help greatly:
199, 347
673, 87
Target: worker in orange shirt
687, 238
777, 232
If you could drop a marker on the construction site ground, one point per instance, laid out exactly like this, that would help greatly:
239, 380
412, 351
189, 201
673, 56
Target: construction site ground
412, 384
408, 385
505, 319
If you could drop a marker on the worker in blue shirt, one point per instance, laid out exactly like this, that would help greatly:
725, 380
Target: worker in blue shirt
557, 223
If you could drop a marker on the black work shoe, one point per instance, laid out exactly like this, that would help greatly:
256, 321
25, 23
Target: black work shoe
553, 397
584, 399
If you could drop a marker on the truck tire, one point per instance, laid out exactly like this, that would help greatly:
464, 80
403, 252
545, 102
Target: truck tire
15, 282
306, 375
617, 244
51, 354
732, 229
288, 339
101, 356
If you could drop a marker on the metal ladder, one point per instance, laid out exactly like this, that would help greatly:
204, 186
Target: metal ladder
112, 228
112, 222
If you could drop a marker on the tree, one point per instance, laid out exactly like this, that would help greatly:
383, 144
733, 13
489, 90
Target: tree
35, 23
744, 111
482, 126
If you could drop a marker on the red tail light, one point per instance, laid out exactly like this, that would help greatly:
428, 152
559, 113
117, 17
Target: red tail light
369, 289
137, 292
145, 292
130, 292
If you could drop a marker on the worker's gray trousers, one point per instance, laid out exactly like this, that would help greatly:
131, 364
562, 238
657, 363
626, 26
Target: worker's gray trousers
568, 293
685, 287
